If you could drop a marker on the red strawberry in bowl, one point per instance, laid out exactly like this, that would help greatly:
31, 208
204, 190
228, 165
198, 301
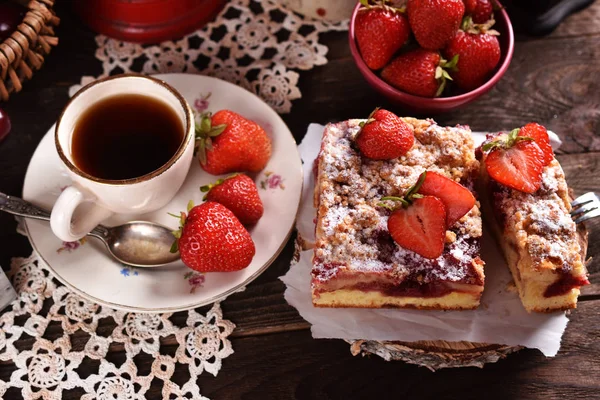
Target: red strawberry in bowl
212, 239
480, 10
384, 136
380, 32
514, 161
478, 52
419, 72
239, 194
434, 22
227, 142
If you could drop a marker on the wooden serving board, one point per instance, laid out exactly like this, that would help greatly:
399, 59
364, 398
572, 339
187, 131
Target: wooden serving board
434, 355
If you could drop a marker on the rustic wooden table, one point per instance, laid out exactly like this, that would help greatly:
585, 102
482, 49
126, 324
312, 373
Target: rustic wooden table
553, 80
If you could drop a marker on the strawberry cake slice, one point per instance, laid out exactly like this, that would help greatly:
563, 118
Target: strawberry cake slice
401, 232
526, 201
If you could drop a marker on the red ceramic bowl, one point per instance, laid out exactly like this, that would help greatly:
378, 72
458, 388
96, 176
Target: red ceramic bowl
438, 104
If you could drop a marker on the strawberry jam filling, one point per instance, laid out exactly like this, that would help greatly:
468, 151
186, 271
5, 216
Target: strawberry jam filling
565, 284
407, 288
427, 278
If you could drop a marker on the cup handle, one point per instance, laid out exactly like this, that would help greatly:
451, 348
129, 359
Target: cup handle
70, 227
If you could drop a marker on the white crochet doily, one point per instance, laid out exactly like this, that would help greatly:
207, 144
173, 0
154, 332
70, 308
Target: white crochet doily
48, 315
254, 44
47, 367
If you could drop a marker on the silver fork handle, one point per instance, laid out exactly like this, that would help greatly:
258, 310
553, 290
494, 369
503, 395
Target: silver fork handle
17, 206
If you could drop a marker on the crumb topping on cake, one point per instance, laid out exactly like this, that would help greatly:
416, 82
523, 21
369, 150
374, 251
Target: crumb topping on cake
352, 226
542, 221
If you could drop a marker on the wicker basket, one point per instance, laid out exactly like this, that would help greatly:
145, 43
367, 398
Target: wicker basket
23, 52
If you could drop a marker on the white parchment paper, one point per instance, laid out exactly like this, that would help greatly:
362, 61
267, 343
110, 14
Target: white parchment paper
500, 318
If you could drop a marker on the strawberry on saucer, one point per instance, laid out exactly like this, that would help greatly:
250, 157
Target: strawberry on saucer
212, 239
227, 142
239, 194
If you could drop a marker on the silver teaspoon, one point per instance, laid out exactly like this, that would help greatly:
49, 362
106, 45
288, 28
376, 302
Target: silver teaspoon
136, 243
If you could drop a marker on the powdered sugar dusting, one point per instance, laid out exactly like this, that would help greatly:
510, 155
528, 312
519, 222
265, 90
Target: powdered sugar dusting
541, 220
352, 235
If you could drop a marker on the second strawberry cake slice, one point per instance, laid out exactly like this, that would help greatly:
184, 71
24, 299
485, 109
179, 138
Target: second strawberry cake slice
374, 252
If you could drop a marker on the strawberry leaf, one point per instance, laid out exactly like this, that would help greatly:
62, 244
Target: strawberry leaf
216, 130
506, 141
190, 205
364, 3
205, 123
415, 188
201, 149
491, 145
175, 247
384, 205
446, 75
441, 88
451, 65
393, 198
373, 113
512, 137
467, 23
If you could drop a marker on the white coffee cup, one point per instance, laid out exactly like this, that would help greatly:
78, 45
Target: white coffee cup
91, 200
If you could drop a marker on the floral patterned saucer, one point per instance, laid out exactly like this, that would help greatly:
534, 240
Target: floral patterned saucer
87, 268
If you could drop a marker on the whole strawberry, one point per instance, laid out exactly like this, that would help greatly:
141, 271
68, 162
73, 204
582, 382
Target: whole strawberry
228, 142
419, 72
384, 136
239, 194
212, 239
380, 32
434, 22
480, 10
478, 54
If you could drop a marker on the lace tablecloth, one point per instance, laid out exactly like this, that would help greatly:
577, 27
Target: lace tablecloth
254, 44
257, 45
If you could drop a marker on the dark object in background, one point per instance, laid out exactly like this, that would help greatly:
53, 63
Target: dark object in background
5, 124
11, 15
147, 21
541, 17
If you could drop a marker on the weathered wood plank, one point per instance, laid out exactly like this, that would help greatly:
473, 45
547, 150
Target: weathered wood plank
552, 82
293, 365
